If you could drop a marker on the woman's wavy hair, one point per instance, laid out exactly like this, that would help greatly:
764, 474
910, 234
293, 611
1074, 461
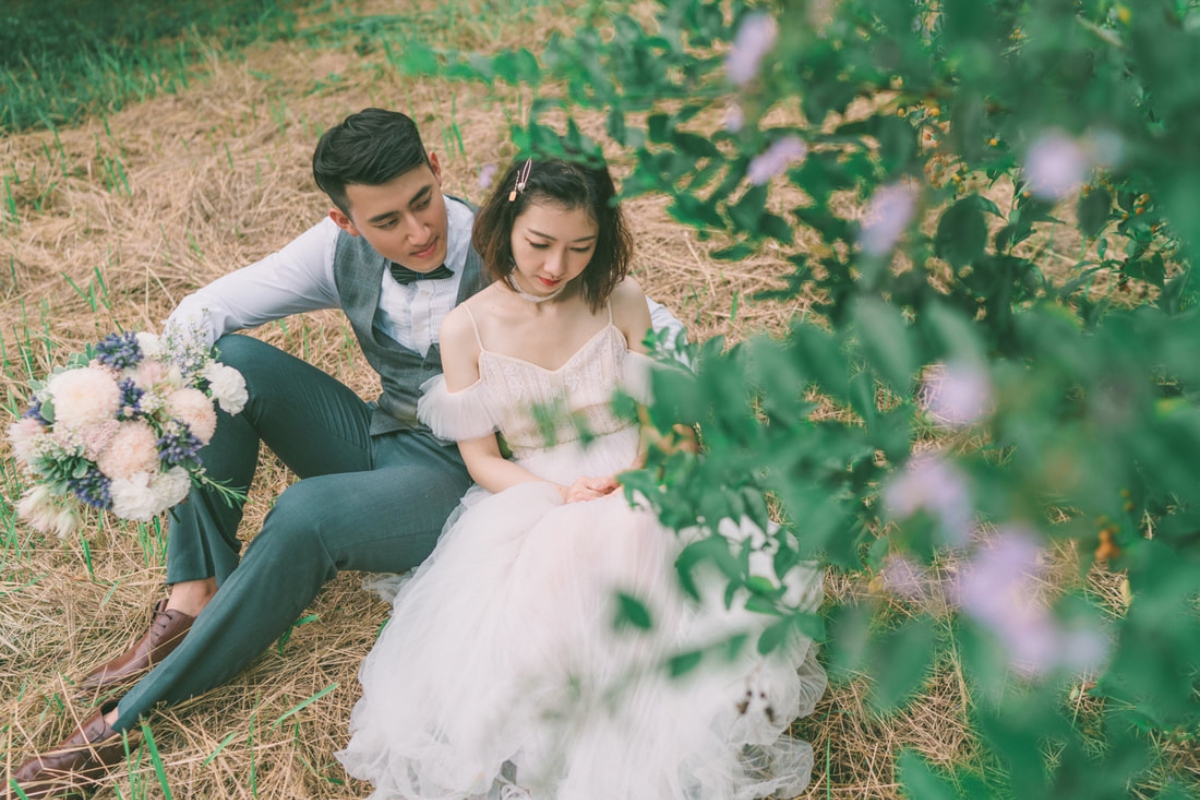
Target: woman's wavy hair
568, 185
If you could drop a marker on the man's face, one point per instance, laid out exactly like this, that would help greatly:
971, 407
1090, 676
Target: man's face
403, 219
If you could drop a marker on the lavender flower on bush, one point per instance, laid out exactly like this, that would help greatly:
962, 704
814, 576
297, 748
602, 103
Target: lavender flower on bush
119, 350
755, 38
1055, 165
998, 589
735, 118
957, 394
887, 215
904, 577
775, 159
937, 487
487, 174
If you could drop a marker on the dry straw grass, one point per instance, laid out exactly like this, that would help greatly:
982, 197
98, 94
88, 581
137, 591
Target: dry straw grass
218, 177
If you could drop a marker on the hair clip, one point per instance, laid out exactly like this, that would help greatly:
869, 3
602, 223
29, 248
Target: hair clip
522, 179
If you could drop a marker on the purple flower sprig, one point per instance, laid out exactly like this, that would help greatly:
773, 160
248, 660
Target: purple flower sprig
93, 489
178, 444
35, 412
131, 397
775, 159
754, 39
119, 350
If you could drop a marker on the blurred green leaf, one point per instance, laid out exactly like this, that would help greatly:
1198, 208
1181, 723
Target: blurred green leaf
962, 233
1093, 211
632, 612
901, 660
919, 780
886, 341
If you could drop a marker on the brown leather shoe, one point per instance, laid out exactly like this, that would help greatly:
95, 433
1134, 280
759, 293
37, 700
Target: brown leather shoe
73, 766
167, 630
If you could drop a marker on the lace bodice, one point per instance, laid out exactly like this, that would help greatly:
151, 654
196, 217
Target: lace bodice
526, 402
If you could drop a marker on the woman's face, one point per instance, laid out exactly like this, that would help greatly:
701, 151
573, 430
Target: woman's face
551, 246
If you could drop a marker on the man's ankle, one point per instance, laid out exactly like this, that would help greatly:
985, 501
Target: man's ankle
190, 597
110, 718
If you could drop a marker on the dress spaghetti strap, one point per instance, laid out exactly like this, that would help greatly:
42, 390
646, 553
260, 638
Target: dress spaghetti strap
475, 327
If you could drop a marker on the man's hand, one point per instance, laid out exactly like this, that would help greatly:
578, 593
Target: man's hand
587, 488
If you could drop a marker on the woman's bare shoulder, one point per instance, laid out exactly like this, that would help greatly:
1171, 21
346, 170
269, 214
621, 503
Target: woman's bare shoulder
458, 331
630, 312
628, 295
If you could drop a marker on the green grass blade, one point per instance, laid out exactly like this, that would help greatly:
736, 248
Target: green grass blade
219, 748
156, 759
304, 704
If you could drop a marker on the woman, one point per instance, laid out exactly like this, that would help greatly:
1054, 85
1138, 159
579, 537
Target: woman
501, 674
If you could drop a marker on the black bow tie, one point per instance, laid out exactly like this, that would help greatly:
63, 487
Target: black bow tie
405, 276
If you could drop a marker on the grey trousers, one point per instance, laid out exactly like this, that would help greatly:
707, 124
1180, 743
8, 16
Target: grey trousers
363, 503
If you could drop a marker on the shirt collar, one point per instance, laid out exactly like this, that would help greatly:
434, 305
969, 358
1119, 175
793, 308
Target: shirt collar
459, 219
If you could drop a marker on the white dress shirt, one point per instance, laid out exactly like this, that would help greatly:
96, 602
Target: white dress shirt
299, 278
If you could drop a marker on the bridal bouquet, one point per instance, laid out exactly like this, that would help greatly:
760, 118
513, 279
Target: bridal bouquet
119, 427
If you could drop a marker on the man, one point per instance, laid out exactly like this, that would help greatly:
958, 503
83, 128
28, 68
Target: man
375, 485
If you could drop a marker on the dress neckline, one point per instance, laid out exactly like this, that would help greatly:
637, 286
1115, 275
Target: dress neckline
570, 359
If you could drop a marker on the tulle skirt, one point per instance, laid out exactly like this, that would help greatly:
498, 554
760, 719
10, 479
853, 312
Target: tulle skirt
501, 673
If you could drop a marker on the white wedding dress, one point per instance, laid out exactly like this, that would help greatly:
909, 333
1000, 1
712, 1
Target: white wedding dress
501, 675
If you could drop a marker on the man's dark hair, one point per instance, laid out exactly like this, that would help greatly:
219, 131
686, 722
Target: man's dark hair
368, 148
569, 186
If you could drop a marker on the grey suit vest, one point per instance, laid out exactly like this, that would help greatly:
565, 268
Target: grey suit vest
358, 273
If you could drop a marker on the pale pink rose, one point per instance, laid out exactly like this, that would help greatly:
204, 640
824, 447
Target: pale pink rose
21, 434
171, 487
133, 498
96, 438
149, 373
143, 497
194, 409
775, 159
100, 366
83, 397
132, 450
227, 386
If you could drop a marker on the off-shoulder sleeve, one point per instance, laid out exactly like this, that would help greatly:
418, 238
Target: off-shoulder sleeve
456, 415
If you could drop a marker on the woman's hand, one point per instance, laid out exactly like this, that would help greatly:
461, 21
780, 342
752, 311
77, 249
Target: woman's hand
588, 488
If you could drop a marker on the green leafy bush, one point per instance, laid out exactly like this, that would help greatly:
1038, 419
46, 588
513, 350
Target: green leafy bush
945, 154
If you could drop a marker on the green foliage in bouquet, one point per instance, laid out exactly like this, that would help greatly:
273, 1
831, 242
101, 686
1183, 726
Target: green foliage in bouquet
942, 155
